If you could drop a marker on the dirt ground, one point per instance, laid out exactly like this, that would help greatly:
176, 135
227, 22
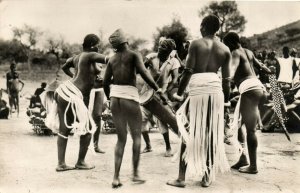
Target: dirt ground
28, 161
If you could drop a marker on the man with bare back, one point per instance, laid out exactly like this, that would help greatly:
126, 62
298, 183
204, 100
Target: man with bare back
120, 86
72, 99
252, 94
202, 150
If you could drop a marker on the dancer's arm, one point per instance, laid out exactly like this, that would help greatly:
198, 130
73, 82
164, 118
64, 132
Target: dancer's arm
261, 66
107, 80
189, 69
144, 72
66, 67
226, 81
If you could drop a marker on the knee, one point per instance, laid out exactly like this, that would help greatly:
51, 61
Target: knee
251, 132
122, 141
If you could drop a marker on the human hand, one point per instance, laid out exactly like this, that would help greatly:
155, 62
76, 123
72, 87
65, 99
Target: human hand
177, 97
272, 69
228, 104
162, 96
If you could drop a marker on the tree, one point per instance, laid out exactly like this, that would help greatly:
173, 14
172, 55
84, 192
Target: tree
27, 36
230, 17
176, 31
136, 43
12, 50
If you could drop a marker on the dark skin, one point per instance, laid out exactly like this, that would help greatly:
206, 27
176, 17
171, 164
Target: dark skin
243, 61
162, 79
122, 67
98, 101
84, 77
205, 55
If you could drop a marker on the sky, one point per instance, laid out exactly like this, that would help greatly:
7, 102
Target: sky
73, 19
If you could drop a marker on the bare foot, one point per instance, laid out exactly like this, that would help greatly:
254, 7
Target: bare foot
146, 150
241, 163
116, 183
248, 170
176, 183
84, 166
138, 180
98, 150
206, 180
62, 168
169, 153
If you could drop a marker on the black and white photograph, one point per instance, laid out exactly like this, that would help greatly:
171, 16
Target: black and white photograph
149, 96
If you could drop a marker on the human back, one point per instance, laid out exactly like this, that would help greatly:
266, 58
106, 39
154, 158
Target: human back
244, 70
85, 71
210, 55
124, 68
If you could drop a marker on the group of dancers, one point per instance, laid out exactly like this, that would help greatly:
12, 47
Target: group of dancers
202, 94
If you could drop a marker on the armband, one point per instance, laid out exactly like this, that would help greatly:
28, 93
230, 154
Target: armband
188, 70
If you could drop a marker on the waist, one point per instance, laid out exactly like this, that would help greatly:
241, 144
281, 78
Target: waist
202, 83
125, 92
250, 84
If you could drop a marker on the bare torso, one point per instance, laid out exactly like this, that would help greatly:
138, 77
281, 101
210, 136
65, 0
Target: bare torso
209, 55
124, 68
85, 72
244, 68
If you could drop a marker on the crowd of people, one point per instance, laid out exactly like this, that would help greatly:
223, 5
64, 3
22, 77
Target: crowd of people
186, 96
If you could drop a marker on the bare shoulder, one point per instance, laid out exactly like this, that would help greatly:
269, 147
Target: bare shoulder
221, 46
249, 52
134, 54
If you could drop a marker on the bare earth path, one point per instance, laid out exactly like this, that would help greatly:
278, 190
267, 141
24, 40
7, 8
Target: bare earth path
28, 161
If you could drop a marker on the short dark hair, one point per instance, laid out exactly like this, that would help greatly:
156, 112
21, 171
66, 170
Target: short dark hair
90, 40
211, 23
285, 49
44, 84
231, 39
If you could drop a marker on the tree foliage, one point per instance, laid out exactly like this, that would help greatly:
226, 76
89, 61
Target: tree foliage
230, 17
176, 31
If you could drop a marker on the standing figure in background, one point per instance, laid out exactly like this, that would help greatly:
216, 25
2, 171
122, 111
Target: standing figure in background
13, 88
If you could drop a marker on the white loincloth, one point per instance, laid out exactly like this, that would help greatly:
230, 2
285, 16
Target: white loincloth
246, 85
92, 98
203, 114
125, 92
83, 122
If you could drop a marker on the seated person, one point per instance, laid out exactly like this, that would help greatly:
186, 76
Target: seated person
35, 100
4, 110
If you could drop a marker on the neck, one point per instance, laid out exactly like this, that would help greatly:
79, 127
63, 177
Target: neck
210, 36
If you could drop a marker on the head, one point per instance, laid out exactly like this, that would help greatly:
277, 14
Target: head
232, 40
165, 47
13, 67
272, 54
293, 52
209, 25
118, 39
44, 84
286, 51
90, 43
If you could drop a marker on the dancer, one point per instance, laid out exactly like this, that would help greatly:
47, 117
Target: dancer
72, 99
125, 108
252, 93
202, 149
